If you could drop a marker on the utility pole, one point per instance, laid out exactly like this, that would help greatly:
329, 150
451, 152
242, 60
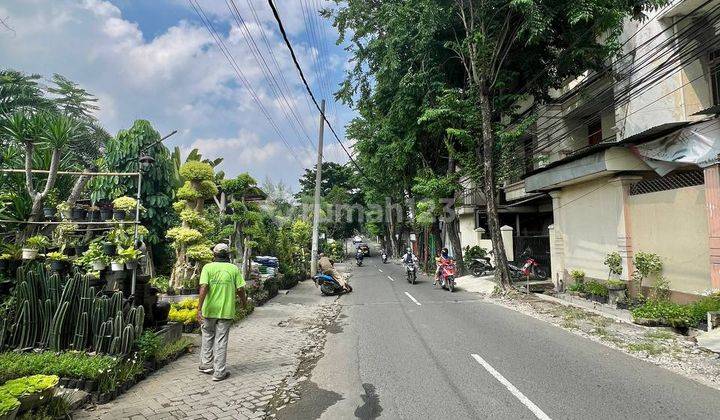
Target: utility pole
318, 180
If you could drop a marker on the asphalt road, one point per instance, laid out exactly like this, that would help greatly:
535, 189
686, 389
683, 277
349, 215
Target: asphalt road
412, 351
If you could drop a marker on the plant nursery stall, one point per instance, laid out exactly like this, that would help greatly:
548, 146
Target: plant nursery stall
76, 308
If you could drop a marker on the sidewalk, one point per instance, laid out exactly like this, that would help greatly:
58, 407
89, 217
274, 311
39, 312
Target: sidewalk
263, 351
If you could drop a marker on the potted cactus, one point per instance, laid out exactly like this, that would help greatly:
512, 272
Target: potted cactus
33, 245
123, 207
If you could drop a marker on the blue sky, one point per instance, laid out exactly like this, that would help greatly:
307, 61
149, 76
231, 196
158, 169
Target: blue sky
155, 60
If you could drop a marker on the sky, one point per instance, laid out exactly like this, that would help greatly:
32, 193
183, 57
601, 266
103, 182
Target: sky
156, 60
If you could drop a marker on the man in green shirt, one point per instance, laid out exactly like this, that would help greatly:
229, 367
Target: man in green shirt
220, 282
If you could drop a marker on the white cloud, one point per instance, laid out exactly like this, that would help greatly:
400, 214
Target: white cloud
177, 80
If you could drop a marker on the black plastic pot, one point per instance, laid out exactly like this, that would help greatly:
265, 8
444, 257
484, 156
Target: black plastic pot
599, 299
63, 382
58, 266
4, 265
49, 213
78, 214
119, 214
105, 215
70, 252
93, 216
72, 383
104, 398
109, 249
621, 305
80, 249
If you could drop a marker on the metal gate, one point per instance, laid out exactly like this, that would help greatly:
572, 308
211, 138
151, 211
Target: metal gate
539, 248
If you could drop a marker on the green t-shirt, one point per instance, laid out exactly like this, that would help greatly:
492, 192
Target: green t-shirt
223, 279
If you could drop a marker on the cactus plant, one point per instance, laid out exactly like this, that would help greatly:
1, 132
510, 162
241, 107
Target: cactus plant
81, 332
128, 338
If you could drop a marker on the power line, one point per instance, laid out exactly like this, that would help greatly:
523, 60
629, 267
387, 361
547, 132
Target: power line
307, 87
267, 72
231, 60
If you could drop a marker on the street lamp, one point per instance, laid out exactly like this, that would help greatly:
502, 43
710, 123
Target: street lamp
146, 161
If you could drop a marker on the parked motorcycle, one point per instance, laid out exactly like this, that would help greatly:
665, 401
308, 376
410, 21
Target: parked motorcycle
411, 272
384, 257
328, 285
447, 276
530, 269
481, 266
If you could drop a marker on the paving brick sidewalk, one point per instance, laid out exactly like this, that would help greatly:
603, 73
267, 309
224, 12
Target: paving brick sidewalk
263, 351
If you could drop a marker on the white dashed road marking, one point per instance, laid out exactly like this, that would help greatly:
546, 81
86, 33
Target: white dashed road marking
516, 392
412, 298
391, 279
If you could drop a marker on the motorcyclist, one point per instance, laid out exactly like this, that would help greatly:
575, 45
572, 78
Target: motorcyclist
443, 259
359, 254
408, 258
327, 267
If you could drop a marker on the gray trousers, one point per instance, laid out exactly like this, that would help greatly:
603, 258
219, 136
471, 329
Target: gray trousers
214, 344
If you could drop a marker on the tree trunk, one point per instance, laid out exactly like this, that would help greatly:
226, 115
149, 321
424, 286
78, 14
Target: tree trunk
77, 189
484, 152
452, 226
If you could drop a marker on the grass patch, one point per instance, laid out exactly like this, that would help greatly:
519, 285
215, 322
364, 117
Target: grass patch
659, 335
650, 348
569, 324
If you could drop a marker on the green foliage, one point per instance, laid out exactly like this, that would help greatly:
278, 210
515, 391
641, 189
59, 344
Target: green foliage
595, 288
125, 203
199, 253
148, 345
647, 265
577, 275
162, 283
613, 261
127, 254
194, 220
37, 242
170, 350
8, 403
474, 252
184, 236
67, 365
29, 385
577, 287
197, 171
666, 312
56, 256
188, 192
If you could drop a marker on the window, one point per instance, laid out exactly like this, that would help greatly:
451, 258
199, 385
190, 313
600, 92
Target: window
595, 132
714, 61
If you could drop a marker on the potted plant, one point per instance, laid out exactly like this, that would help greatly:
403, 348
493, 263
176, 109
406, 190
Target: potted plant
117, 263
58, 261
598, 291
33, 245
106, 212
130, 256
93, 214
578, 277
4, 262
50, 205
78, 214
95, 256
65, 210
123, 207
109, 249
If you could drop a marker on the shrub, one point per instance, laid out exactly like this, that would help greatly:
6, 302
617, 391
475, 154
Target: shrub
576, 287
169, 350
666, 312
148, 345
474, 252
199, 253
29, 385
595, 288
613, 261
182, 235
68, 365
196, 171
37, 242
8, 404
577, 275
125, 203
162, 283
646, 265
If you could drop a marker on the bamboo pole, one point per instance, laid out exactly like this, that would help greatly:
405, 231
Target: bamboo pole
42, 171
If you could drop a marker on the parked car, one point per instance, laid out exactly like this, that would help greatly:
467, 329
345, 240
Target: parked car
364, 248
357, 239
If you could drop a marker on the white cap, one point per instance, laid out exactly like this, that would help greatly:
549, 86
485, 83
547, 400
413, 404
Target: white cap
220, 248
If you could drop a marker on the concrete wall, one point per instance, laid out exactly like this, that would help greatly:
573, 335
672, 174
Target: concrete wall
673, 225
588, 215
468, 236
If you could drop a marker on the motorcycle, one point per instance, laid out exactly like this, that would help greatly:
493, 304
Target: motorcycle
359, 259
530, 269
384, 257
447, 276
481, 266
328, 285
411, 272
